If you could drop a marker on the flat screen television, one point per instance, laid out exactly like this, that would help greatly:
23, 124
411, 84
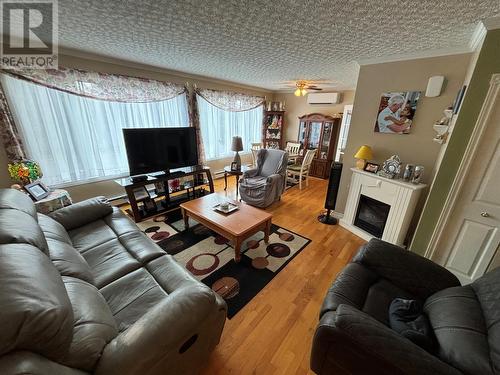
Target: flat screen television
160, 149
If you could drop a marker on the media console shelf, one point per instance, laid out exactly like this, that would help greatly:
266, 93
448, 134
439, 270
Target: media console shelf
153, 196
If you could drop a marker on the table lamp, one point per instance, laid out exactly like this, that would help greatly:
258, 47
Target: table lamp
237, 145
364, 153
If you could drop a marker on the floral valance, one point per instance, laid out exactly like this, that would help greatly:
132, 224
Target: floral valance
230, 100
103, 86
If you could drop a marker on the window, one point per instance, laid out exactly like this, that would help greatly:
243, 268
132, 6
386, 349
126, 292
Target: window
218, 127
75, 138
344, 132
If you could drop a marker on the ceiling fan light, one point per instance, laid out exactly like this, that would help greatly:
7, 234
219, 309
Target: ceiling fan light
303, 92
297, 92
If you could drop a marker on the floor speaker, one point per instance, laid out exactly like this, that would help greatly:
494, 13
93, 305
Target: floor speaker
331, 194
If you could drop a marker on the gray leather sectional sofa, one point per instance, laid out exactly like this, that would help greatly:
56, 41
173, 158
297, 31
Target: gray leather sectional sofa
84, 291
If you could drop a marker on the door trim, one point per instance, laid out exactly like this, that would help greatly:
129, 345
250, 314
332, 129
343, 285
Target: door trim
456, 187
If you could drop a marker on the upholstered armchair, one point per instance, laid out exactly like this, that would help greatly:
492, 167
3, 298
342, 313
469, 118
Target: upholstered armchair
264, 184
354, 334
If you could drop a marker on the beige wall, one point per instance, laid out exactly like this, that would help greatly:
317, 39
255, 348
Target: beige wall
417, 147
106, 65
296, 106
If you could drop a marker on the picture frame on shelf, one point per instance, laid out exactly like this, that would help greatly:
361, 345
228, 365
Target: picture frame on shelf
234, 166
371, 167
150, 205
160, 188
37, 190
140, 193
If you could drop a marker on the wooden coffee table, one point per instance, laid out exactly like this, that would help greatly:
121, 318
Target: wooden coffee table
236, 226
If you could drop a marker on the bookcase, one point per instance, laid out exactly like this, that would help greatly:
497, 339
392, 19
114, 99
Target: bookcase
274, 129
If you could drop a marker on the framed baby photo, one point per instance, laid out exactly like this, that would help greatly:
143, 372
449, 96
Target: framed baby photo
396, 111
371, 167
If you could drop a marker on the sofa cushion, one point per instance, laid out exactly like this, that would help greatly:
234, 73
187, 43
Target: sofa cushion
35, 311
22, 228
17, 200
68, 261
110, 261
169, 274
350, 287
457, 319
131, 296
81, 213
379, 298
487, 290
91, 235
363, 289
272, 161
53, 229
119, 223
93, 326
140, 246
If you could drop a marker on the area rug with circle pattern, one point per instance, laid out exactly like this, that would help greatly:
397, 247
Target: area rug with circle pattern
210, 257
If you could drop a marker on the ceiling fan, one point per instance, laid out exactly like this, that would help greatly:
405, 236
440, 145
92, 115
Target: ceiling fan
302, 86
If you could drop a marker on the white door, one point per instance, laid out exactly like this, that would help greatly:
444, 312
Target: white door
471, 236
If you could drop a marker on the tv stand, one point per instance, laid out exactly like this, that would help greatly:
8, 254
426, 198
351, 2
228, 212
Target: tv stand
146, 202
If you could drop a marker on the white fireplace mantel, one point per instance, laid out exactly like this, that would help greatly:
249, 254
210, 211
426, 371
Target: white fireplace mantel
401, 196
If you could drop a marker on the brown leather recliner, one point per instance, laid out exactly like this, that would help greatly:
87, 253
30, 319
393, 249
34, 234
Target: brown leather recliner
353, 334
85, 291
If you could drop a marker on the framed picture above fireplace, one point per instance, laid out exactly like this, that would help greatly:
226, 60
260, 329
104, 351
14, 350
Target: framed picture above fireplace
396, 111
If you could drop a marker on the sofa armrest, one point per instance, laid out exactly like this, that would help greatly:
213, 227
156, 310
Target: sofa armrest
275, 178
350, 341
81, 213
25, 362
177, 334
250, 173
409, 271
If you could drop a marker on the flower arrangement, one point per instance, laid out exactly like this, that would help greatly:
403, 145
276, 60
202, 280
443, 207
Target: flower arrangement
25, 171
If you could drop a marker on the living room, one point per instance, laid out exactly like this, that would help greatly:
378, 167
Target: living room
187, 188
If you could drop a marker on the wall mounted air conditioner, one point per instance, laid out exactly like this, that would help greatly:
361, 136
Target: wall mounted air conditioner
323, 98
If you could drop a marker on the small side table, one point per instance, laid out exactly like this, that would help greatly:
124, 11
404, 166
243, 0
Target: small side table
57, 198
238, 173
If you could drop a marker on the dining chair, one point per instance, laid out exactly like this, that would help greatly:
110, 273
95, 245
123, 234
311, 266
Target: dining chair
301, 171
293, 151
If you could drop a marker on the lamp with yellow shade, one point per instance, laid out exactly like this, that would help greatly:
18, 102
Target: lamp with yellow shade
364, 153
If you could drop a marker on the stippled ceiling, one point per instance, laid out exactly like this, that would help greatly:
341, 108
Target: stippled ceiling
263, 43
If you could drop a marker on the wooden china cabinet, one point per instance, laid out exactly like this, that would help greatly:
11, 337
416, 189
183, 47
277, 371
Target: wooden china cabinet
318, 131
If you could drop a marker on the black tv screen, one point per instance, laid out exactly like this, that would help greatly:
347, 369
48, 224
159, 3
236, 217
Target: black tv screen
160, 149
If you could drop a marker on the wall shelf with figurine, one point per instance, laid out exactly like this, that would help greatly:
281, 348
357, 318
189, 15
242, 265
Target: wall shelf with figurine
274, 129
442, 127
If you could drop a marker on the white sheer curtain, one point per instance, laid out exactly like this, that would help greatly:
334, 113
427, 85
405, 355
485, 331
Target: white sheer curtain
80, 139
218, 127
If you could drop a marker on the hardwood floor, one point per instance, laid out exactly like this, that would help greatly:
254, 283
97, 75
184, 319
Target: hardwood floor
272, 334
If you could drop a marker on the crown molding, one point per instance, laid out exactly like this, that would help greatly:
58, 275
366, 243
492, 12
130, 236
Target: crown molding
414, 56
492, 23
478, 36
